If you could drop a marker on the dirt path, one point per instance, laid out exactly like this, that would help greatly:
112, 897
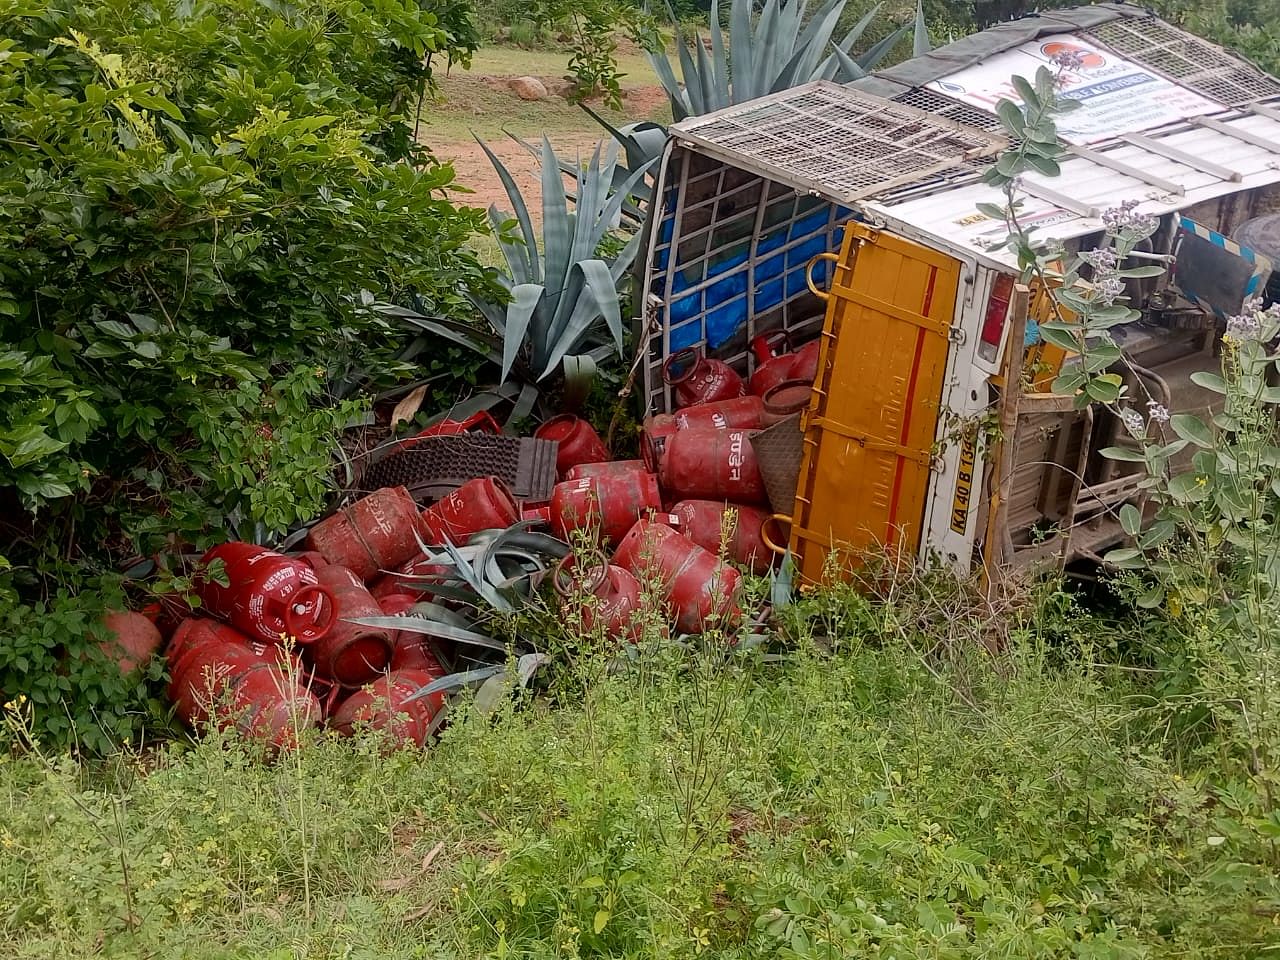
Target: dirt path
486, 106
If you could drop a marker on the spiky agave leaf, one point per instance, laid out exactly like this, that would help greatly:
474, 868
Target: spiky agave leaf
559, 313
920, 40
780, 49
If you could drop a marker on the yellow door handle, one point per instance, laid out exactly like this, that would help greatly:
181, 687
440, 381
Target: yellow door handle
808, 274
777, 518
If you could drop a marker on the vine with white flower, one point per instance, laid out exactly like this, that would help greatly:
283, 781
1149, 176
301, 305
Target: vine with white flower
1206, 550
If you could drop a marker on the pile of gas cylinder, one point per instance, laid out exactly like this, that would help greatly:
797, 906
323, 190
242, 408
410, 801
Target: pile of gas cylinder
280, 642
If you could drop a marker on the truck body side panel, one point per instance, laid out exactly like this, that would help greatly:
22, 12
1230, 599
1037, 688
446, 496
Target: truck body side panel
868, 438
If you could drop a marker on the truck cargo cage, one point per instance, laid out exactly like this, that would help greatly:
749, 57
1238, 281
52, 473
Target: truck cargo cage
728, 254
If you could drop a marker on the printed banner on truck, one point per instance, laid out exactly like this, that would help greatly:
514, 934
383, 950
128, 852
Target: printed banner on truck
1116, 95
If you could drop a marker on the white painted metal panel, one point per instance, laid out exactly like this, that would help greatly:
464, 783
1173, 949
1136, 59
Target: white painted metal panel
952, 214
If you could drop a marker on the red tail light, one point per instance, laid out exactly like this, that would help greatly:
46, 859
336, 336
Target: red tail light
997, 313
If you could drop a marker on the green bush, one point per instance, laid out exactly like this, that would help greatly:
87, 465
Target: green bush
198, 201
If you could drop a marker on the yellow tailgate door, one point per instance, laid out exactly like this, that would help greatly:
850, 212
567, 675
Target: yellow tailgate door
868, 436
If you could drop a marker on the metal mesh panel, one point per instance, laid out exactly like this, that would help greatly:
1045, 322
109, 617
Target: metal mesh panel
1203, 67
435, 466
729, 264
940, 105
845, 144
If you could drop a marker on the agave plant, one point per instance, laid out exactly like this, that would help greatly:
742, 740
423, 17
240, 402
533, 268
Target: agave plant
782, 49
498, 571
562, 311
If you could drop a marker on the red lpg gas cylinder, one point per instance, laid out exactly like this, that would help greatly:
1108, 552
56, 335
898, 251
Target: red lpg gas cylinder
270, 705
482, 504
577, 439
616, 594
583, 470
195, 632
700, 589
805, 365
133, 642
350, 654
785, 399
772, 368
699, 379
268, 597
374, 533
382, 705
773, 361
481, 422
702, 522
709, 464
217, 674
743, 412
614, 501
413, 652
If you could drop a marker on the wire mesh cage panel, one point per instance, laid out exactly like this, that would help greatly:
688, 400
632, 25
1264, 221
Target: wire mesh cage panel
845, 144
1192, 62
940, 105
729, 264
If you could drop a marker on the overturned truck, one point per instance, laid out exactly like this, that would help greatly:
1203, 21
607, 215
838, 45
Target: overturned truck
849, 214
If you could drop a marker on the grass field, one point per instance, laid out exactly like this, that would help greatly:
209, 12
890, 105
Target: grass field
885, 790
471, 102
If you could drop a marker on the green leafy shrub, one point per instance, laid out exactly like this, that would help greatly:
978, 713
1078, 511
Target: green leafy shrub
198, 203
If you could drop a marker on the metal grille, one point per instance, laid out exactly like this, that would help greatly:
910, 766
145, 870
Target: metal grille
841, 143
940, 105
1194, 63
729, 263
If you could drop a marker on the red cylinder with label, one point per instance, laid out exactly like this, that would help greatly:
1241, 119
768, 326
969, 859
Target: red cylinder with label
382, 705
350, 654
196, 632
583, 470
698, 379
197, 671
615, 594
747, 413
702, 521
744, 412
374, 533
702, 591
485, 503
614, 502
219, 675
709, 464
396, 605
269, 596
413, 652
577, 439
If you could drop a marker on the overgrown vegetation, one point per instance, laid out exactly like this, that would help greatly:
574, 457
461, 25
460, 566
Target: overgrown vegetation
889, 788
197, 203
